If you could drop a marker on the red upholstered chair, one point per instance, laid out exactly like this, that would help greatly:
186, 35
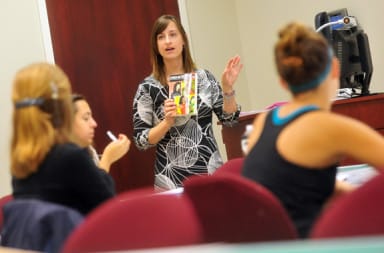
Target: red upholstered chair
135, 220
233, 166
360, 213
4, 200
235, 209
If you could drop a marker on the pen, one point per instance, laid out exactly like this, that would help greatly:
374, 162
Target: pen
111, 136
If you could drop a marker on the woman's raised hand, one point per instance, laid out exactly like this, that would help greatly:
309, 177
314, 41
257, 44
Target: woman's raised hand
230, 73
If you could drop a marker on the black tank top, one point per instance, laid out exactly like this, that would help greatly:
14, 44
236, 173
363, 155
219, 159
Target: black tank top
302, 191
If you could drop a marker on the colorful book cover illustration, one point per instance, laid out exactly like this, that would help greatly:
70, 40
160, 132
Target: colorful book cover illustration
183, 91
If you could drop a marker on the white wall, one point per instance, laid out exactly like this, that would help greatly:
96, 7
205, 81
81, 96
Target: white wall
249, 27
214, 37
258, 25
20, 44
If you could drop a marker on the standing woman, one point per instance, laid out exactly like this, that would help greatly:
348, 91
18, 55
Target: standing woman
185, 145
45, 163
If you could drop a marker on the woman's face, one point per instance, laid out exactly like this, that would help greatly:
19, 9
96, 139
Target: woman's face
84, 125
170, 42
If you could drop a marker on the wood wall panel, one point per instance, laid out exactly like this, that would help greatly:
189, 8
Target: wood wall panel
103, 46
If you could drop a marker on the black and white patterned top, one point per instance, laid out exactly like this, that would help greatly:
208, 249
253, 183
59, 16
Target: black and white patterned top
189, 147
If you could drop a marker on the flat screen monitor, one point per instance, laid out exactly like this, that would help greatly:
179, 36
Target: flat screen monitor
351, 47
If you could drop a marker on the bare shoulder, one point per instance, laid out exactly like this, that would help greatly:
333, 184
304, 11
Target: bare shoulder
332, 117
343, 119
259, 120
339, 123
257, 127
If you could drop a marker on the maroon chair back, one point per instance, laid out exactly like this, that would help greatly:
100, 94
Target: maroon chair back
4, 200
233, 166
235, 209
360, 213
136, 220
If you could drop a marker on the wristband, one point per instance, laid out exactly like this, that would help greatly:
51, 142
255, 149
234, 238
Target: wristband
229, 94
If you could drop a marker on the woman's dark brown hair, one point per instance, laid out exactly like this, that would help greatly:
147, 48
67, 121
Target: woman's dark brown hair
302, 56
76, 97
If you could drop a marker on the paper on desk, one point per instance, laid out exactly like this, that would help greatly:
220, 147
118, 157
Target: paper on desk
356, 174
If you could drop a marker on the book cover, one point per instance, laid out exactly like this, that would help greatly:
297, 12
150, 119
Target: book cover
183, 91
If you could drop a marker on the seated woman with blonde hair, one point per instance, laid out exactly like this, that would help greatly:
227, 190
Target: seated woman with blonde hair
45, 163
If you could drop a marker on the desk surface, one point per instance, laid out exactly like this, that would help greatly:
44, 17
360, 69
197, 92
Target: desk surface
367, 109
346, 245
356, 174
14, 250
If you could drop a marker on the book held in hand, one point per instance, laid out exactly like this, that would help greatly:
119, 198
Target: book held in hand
183, 91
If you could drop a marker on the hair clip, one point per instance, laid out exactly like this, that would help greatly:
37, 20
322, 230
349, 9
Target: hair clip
29, 102
55, 92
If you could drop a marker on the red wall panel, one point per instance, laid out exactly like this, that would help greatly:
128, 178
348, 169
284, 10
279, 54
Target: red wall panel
103, 46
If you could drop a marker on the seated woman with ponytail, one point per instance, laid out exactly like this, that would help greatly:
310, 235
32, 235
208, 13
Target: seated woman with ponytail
45, 163
294, 149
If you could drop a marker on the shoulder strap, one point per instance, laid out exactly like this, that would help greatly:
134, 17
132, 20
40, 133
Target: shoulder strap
283, 120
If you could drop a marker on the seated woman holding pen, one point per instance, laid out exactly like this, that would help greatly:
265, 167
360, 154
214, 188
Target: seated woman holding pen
84, 126
294, 149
